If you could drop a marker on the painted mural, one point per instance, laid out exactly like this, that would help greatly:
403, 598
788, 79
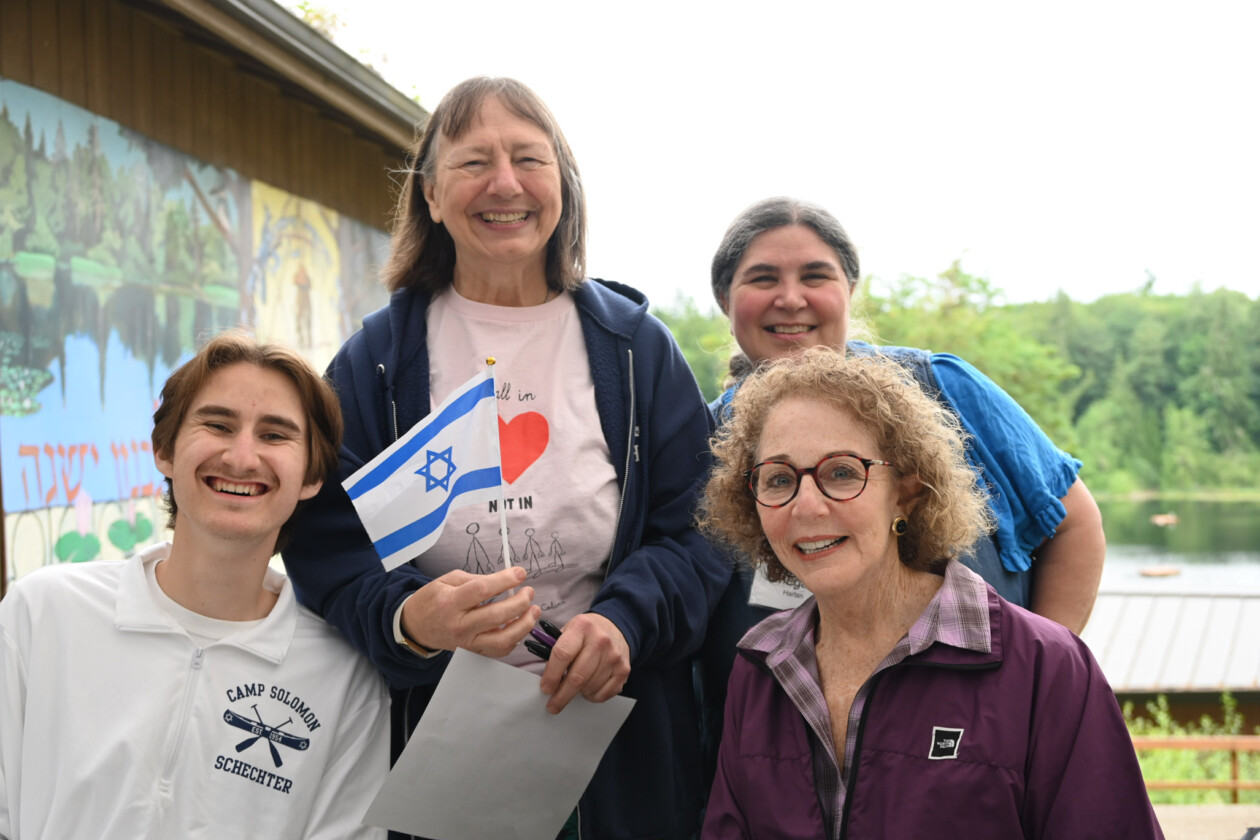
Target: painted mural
116, 255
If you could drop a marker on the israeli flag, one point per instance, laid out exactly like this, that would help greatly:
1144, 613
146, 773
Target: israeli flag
447, 460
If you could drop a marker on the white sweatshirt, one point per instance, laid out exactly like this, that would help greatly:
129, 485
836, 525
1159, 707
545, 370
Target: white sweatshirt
115, 723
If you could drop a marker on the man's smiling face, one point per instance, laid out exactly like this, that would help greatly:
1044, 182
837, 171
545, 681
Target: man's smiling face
239, 461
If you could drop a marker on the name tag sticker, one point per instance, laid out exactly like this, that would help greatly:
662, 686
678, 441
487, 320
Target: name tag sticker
784, 595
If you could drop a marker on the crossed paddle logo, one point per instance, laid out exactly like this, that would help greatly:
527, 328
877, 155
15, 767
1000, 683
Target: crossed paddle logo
259, 730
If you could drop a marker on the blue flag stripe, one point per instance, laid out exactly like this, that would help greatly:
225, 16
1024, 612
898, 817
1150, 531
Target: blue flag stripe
452, 413
421, 528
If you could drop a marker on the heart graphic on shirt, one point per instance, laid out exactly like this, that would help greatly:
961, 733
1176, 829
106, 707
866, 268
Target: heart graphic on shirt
521, 443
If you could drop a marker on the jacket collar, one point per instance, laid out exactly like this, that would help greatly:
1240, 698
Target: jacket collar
135, 610
615, 307
776, 638
619, 312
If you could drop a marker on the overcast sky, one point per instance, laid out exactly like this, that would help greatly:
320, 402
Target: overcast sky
1073, 145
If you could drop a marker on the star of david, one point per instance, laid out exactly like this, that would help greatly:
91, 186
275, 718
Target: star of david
431, 480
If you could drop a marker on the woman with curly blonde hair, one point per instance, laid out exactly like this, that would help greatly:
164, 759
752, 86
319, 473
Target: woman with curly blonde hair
904, 671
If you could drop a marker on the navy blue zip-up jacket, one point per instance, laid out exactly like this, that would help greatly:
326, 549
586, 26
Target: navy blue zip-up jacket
662, 579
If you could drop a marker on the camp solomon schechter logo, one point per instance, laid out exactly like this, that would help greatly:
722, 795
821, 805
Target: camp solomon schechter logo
273, 727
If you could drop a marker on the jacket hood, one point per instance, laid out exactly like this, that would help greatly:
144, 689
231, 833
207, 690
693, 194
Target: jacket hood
616, 307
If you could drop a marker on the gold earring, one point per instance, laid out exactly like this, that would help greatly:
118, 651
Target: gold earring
900, 526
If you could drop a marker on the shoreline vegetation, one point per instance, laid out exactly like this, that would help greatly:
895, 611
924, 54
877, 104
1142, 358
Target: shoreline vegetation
1158, 395
1222, 494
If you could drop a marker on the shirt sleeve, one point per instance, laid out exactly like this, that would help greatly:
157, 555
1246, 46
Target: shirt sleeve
12, 713
1025, 473
1083, 776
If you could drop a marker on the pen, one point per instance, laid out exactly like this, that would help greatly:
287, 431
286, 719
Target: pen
542, 637
549, 628
538, 649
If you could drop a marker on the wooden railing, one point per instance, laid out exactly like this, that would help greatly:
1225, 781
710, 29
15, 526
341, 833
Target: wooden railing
1234, 744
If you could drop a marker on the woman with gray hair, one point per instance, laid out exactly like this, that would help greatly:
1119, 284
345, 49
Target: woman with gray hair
603, 436
904, 697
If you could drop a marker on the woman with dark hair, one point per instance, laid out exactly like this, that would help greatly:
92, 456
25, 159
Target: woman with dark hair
904, 697
785, 273
603, 434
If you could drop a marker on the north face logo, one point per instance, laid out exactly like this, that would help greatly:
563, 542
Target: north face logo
945, 742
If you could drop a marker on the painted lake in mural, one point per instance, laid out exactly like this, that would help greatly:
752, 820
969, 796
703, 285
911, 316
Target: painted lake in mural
1213, 545
117, 256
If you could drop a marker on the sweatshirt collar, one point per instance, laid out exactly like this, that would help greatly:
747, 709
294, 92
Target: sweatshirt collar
136, 611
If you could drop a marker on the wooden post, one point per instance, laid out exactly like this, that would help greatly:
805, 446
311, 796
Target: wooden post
1233, 771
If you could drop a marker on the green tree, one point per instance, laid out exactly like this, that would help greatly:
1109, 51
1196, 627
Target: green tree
959, 313
1187, 461
705, 340
1121, 440
1217, 378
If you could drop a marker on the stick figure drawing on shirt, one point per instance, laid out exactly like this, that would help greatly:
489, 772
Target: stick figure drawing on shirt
477, 561
511, 551
556, 551
532, 554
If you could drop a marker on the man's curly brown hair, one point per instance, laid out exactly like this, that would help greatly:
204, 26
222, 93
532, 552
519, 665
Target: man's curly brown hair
918, 434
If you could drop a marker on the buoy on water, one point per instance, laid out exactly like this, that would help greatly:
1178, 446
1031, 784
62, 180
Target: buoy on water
1160, 571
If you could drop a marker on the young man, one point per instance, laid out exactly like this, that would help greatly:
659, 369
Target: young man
183, 692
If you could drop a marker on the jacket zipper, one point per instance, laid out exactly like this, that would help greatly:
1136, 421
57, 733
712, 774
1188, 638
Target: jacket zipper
870, 697
857, 752
632, 454
632, 449
393, 406
190, 689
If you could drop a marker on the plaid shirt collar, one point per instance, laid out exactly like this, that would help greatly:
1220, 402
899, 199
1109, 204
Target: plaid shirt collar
957, 616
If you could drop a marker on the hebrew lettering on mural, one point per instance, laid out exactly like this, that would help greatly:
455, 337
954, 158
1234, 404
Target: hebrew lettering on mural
70, 462
142, 462
26, 450
67, 464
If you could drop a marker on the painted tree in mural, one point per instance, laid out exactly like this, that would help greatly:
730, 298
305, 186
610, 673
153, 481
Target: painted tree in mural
21, 377
117, 255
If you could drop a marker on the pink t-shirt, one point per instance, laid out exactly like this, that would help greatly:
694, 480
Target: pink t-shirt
560, 488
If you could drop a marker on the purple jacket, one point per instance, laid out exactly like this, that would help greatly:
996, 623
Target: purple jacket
1043, 751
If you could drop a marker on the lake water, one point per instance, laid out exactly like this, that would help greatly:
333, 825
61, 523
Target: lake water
1215, 546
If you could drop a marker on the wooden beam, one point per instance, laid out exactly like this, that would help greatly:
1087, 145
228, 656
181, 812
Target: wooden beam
15, 41
293, 69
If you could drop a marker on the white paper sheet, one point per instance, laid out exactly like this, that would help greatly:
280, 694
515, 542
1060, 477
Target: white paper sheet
487, 762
